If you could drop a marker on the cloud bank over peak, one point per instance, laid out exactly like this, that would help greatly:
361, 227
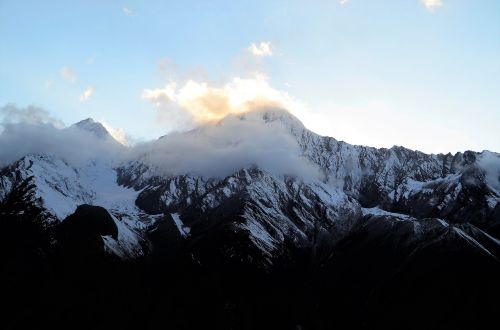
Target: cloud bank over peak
229, 126
32, 130
220, 149
259, 138
11, 114
195, 102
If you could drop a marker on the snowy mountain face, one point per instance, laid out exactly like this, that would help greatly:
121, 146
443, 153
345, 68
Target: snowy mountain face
51, 189
460, 188
93, 127
388, 212
272, 208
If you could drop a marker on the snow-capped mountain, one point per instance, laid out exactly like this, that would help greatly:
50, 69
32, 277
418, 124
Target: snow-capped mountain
401, 207
266, 207
460, 188
93, 127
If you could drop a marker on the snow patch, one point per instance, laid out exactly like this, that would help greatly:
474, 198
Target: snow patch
183, 230
380, 212
259, 235
128, 243
442, 222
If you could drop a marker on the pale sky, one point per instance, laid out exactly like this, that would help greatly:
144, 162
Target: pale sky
424, 74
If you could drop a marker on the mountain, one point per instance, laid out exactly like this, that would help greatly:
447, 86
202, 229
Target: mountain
368, 238
93, 127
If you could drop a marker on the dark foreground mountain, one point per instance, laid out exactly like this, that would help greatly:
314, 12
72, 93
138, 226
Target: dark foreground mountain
384, 238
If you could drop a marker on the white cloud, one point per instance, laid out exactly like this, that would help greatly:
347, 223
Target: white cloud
343, 2
11, 114
87, 93
262, 49
76, 146
222, 148
68, 74
32, 130
432, 5
229, 129
127, 11
212, 150
196, 102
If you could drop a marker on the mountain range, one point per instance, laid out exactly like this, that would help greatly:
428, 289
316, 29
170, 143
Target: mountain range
325, 235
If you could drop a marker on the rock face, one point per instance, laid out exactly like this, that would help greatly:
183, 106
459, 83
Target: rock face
377, 227
82, 232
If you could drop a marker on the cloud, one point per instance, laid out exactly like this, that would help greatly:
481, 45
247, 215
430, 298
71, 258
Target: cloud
32, 130
86, 94
222, 148
225, 129
75, 146
490, 162
195, 102
432, 5
68, 74
214, 149
263, 49
11, 114
127, 11
343, 2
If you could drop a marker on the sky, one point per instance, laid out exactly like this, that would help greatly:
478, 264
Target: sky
424, 74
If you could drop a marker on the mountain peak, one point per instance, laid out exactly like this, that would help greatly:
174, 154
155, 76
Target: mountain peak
279, 116
89, 120
92, 126
274, 115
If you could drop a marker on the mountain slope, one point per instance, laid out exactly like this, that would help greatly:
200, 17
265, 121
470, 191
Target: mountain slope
272, 207
459, 188
342, 236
